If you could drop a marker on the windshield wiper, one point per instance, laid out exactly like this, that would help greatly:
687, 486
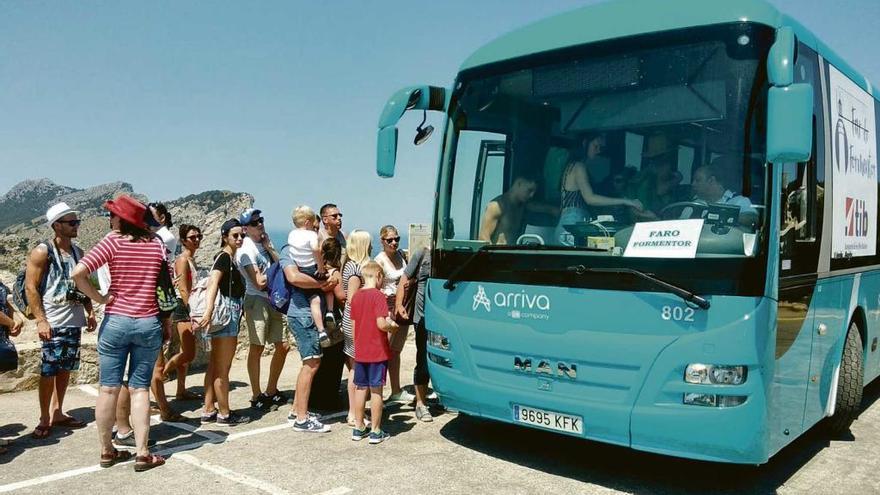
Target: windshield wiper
685, 294
453, 277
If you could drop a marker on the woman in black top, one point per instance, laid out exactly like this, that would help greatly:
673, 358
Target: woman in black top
226, 279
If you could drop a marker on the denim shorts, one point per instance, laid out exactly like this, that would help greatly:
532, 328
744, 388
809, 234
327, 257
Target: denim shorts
136, 340
61, 352
306, 335
370, 374
234, 325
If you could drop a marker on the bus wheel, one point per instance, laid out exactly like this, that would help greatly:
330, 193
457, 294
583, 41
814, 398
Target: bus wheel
849, 384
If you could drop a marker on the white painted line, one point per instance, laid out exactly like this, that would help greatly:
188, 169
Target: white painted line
47, 479
231, 475
90, 390
210, 435
258, 431
339, 490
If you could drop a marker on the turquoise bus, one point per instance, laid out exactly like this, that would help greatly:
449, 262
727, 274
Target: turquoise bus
656, 227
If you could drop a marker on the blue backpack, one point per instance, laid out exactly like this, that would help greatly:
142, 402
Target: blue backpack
278, 288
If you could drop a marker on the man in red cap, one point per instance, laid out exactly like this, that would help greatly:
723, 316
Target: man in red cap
60, 311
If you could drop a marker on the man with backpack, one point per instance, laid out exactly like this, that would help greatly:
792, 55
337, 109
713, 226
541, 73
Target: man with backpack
61, 311
265, 325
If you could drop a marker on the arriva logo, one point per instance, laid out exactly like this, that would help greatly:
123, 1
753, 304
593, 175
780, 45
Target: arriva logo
481, 299
518, 304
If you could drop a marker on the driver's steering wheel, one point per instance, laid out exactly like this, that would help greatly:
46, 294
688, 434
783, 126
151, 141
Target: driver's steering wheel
673, 211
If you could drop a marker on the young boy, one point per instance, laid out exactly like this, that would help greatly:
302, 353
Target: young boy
369, 314
306, 252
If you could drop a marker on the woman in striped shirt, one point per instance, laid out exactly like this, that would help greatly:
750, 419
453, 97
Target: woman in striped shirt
131, 330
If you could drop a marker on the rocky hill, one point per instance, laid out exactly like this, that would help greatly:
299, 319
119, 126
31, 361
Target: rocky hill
22, 224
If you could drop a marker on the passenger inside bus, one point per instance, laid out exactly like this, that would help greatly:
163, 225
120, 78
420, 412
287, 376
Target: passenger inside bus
659, 177
504, 219
710, 185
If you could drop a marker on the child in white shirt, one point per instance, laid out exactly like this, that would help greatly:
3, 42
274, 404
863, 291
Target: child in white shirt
306, 253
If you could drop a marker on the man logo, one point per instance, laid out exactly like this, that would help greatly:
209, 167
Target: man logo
481, 299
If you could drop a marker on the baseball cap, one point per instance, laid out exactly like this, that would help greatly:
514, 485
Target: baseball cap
248, 215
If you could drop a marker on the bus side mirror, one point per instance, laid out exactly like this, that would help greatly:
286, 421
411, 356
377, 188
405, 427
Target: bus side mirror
790, 123
410, 98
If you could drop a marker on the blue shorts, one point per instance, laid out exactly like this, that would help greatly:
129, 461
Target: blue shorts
306, 335
136, 340
231, 329
370, 374
61, 352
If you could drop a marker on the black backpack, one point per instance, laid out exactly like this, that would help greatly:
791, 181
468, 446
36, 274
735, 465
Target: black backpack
19, 296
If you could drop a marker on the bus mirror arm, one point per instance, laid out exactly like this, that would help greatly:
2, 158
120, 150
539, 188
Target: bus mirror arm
789, 104
409, 98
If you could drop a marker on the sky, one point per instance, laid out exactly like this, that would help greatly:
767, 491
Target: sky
278, 99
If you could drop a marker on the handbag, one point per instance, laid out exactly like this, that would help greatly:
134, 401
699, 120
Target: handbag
222, 314
8, 354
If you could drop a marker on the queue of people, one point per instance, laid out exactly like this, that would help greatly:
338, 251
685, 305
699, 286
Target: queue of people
329, 278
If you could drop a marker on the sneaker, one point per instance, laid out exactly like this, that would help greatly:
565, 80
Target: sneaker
263, 403
432, 396
128, 441
210, 417
423, 414
330, 321
358, 435
378, 436
311, 426
232, 420
402, 397
278, 398
291, 417
323, 338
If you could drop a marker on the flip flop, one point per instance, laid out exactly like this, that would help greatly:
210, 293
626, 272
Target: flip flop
70, 422
145, 463
41, 432
108, 460
189, 396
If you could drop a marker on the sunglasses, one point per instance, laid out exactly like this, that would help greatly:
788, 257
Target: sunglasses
197, 237
237, 236
72, 223
334, 215
254, 223
391, 239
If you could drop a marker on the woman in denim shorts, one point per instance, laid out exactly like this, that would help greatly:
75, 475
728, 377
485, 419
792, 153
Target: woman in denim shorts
225, 278
130, 331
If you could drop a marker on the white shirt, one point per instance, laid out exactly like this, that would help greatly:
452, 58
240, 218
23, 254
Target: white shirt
392, 274
170, 242
252, 254
303, 244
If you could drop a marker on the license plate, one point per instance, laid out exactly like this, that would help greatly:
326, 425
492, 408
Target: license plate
548, 419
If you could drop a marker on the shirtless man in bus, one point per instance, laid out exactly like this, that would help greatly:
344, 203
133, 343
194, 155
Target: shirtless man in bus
504, 218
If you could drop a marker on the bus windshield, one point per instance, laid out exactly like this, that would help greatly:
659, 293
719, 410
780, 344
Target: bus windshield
649, 147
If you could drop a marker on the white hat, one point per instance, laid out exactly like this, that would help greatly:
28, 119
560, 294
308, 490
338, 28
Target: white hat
57, 211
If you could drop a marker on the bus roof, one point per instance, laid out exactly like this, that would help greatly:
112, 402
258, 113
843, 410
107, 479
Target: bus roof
621, 18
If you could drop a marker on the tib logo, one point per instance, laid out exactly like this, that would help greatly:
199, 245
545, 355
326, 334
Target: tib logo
856, 218
481, 299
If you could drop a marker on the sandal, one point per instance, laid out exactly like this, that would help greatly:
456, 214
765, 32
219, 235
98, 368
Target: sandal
145, 463
70, 422
189, 396
172, 417
108, 460
41, 432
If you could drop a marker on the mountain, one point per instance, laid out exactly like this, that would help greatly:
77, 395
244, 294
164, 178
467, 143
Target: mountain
22, 224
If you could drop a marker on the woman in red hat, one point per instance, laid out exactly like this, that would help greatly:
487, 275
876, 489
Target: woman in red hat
131, 331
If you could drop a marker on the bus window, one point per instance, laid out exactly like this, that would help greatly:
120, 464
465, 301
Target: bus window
478, 177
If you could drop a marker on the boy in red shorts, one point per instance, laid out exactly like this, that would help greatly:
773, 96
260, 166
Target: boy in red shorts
370, 321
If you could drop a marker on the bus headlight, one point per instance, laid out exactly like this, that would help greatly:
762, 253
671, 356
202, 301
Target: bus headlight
438, 340
713, 374
713, 400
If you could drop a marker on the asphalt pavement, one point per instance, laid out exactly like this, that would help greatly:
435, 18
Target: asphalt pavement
453, 454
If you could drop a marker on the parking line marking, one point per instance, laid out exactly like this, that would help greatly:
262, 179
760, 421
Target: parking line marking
231, 475
164, 452
339, 490
49, 478
89, 390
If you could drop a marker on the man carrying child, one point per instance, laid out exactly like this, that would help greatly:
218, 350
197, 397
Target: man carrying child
370, 322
